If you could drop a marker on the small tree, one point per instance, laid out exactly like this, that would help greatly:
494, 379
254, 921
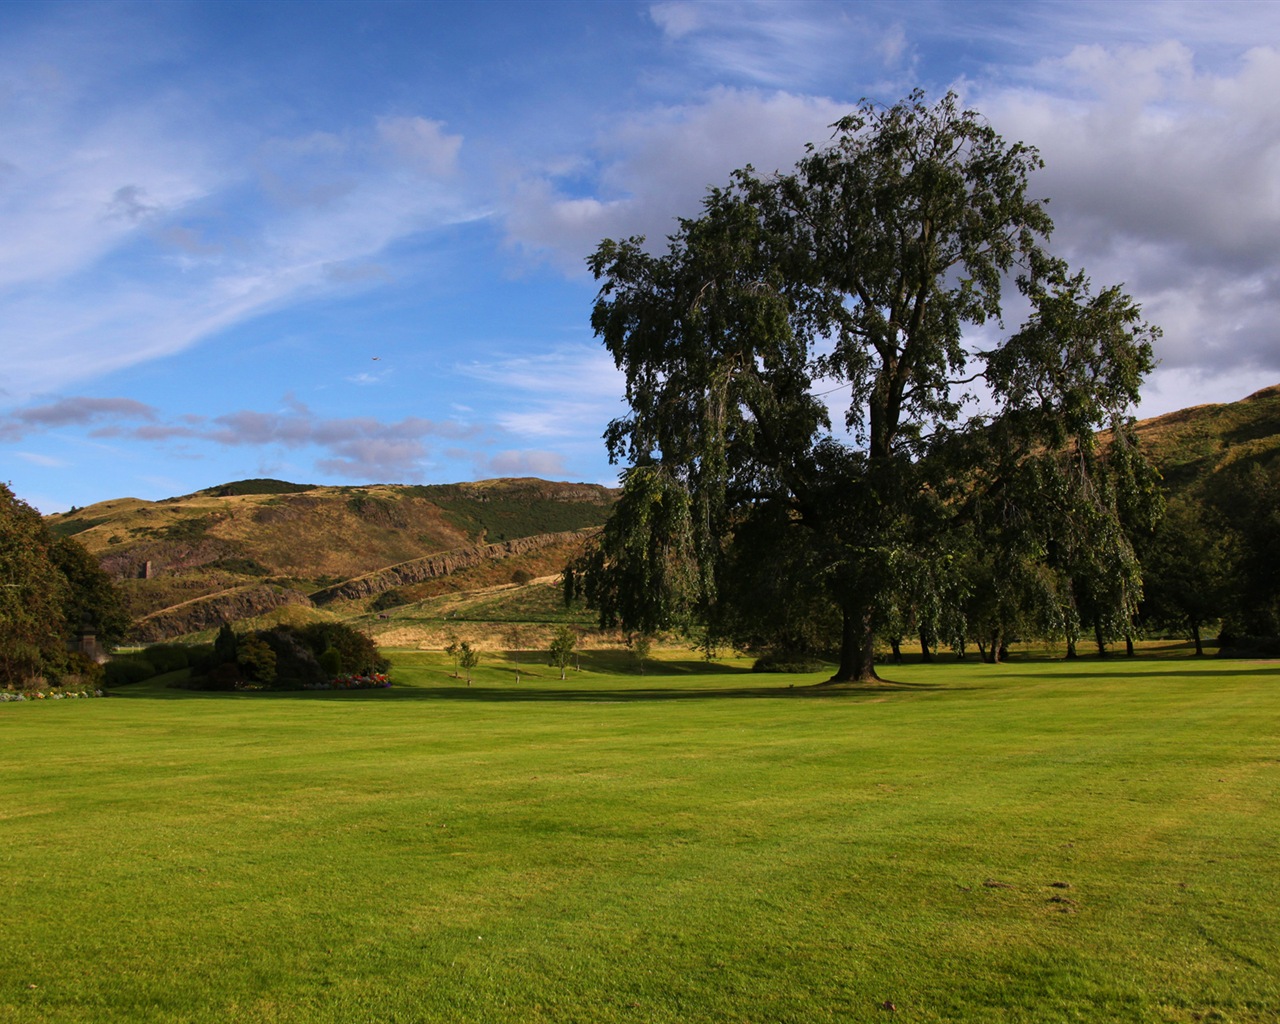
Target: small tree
453, 648
468, 657
640, 645
515, 640
563, 642
225, 645
258, 660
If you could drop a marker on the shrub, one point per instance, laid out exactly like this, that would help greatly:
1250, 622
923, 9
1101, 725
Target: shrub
296, 663
81, 671
786, 661
331, 661
359, 652
130, 669
168, 657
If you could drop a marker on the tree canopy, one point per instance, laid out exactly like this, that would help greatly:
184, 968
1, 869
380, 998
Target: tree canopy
50, 589
865, 288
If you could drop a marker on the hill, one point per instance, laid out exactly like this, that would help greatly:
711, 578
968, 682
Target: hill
242, 548
1191, 447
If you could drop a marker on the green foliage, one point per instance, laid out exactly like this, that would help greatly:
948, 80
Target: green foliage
359, 653
518, 509
258, 660
640, 645
51, 589
225, 645
168, 657
188, 529
65, 526
377, 509
642, 573
93, 602
331, 661
862, 270
453, 648
125, 670
468, 658
240, 566
563, 642
263, 485
33, 594
1249, 503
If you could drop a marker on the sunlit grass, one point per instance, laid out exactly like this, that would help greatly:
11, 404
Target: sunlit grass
1042, 841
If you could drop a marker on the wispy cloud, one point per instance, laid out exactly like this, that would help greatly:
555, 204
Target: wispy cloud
656, 165
128, 234
779, 44
355, 447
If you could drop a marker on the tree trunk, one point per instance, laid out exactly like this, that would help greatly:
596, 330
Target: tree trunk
1098, 638
896, 646
925, 654
857, 648
1195, 635
1071, 649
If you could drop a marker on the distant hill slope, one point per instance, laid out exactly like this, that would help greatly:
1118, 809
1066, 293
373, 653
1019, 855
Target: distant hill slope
1191, 446
265, 541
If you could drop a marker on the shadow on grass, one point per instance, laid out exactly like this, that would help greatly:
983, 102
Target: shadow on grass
664, 682
585, 693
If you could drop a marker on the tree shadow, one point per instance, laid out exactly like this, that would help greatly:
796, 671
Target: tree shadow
584, 693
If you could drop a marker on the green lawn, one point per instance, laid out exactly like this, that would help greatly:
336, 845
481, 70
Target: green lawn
1042, 841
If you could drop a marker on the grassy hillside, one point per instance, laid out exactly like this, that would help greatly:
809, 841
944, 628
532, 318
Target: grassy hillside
243, 536
1192, 445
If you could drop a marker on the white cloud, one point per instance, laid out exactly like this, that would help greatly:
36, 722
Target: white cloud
775, 44
135, 225
421, 144
656, 166
1165, 175
36, 459
522, 463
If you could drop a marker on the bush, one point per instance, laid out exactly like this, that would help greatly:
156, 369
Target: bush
786, 661
168, 657
359, 652
296, 664
81, 671
132, 668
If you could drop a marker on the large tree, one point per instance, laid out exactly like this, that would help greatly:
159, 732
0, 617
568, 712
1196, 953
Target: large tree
32, 594
857, 280
50, 590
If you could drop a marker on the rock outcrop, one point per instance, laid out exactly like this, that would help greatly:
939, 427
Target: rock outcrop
442, 564
212, 610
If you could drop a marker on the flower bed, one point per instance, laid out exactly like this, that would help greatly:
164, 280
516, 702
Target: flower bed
378, 681
6, 696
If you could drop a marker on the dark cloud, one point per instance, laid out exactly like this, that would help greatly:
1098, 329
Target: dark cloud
80, 411
129, 203
362, 447
74, 412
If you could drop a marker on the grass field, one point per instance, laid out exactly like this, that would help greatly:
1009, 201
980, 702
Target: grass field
1042, 841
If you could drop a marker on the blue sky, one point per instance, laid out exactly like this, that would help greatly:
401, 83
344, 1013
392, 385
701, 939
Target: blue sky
344, 243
